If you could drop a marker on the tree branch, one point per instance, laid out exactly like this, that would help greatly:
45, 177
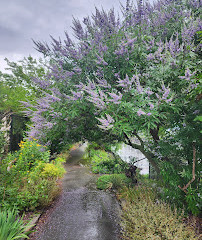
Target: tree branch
128, 139
139, 138
133, 145
150, 156
154, 133
184, 189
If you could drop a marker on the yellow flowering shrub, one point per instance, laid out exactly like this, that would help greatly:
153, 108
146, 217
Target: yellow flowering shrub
52, 170
30, 154
28, 180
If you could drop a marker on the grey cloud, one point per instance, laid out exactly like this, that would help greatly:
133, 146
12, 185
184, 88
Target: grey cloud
23, 20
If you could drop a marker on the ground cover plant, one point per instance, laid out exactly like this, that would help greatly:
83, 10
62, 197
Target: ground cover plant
145, 217
134, 77
113, 181
28, 179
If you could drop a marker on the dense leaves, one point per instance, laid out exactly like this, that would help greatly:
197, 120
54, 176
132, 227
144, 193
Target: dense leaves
12, 227
28, 179
145, 217
19, 83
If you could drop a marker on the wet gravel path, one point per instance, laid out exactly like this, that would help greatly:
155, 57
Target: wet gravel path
83, 212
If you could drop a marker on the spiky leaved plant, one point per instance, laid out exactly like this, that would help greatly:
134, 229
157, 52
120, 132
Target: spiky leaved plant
12, 226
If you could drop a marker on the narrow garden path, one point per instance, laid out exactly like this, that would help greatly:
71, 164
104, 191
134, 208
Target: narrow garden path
83, 212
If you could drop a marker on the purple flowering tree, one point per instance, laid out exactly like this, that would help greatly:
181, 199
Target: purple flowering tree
133, 79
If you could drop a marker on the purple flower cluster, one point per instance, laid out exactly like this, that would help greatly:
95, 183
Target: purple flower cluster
106, 123
190, 30
173, 46
149, 92
151, 105
149, 44
78, 30
121, 51
129, 42
76, 95
166, 93
41, 83
125, 83
103, 83
59, 74
150, 57
102, 48
84, 48
187, 75
39, 126
98, 98
136, 79
94, 35
68, 42
42, 47
51, 98
100, 72
101, 61
117, 75
54, 114
77, 70
43, 107
116, 99
195, 4
140, 112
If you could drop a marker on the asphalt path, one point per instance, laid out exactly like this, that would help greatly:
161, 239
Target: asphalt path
83, 212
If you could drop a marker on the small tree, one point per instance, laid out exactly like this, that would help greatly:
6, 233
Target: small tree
19, 84
16, 86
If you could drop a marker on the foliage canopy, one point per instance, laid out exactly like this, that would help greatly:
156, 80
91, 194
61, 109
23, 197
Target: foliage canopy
134, 79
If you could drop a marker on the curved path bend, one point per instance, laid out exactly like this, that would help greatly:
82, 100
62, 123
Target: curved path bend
83, 213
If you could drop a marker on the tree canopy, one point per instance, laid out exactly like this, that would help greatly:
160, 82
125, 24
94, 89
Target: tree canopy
133, 79
18, 84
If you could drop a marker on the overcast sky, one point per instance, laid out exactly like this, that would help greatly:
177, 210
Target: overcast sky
24, 20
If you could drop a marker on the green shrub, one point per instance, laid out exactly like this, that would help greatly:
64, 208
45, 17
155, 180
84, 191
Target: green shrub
93, 146
101, 162
191, 201
11, 226
145, 176
137, 193
51, 170
37, 193
104, 162
114, 181
30, 154
28, 179
103, 182
146, 218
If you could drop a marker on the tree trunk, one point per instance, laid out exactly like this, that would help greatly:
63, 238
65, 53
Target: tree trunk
150, 156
